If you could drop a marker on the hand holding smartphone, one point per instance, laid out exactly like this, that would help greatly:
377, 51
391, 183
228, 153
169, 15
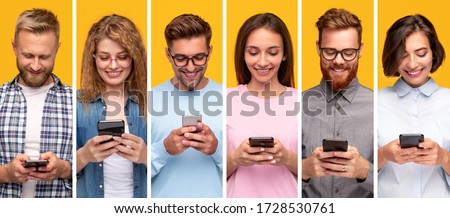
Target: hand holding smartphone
263, 142
411, 140
334, 145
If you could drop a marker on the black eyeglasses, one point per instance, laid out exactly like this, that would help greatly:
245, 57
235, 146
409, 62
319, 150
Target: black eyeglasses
182, 60
347, 54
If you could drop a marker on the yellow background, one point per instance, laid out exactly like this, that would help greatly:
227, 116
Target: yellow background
162, 13
311, 11
91, 11
435, 10
238, 11
9, 13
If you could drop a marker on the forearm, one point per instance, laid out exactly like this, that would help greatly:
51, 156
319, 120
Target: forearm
381, 158
445, 163
292, 162
81, 160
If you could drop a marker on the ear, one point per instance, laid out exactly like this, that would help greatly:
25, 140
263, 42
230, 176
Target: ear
57, 48
318, 48
210, 51
361, 50
168, 56
14, 46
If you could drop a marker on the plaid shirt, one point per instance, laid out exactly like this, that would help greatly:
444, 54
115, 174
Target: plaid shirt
56, 134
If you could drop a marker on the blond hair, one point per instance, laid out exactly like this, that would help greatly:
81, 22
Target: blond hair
37, 20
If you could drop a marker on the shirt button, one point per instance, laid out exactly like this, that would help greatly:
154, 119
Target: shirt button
338, 134
337, 190
100, 186
100, 165
339, 108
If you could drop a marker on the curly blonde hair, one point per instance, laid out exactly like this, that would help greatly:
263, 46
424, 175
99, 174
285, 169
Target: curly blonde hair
123, 31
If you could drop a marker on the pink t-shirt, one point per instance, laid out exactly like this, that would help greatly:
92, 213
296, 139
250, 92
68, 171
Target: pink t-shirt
249, 116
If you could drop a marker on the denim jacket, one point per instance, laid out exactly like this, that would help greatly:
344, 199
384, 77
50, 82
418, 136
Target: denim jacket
90, 182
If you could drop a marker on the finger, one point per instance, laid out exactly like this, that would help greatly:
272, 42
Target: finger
182, 130
344, 155
256, 150
22, 157
194, 136
131, 137
332, 166
47, 155
100, 139
205, 128
323, 154
407, 151
336, 160
108, 145
126, 150
125, 142
335, 173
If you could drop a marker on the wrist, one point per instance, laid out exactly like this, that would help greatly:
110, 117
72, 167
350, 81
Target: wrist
4, 175
305, 176
365, 172
65, 170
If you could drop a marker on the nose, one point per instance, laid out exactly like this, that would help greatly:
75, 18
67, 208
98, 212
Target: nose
113, 63
339, 59
412, 63
262, 60
190, 65
35, 64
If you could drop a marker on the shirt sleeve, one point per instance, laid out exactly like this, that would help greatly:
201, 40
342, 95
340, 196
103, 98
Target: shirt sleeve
159, 157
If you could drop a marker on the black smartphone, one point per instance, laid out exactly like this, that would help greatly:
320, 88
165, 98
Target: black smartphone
191, 120
411, 140
110, 127
334, 145
35, 163
264, 142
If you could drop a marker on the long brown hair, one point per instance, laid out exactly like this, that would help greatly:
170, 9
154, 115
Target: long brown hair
123, 31
272, 22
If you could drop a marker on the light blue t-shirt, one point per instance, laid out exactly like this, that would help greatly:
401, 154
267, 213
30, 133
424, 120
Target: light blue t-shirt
403, 109
190, 174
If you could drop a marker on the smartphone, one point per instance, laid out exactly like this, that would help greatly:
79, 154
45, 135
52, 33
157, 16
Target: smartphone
35, 163
264, 142
334, 145
110, 127
410, 140
191, 120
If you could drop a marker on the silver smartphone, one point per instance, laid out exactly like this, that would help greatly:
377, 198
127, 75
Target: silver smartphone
191, 120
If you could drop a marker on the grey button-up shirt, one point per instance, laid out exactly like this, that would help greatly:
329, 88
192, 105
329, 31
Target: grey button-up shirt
347, 114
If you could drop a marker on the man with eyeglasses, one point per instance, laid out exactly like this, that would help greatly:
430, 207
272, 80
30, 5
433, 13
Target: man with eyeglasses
187, 159
36, 115
338, 112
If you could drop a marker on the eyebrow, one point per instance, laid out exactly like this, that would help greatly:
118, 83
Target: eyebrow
107, 53
255, 47
41, 55
420, 49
